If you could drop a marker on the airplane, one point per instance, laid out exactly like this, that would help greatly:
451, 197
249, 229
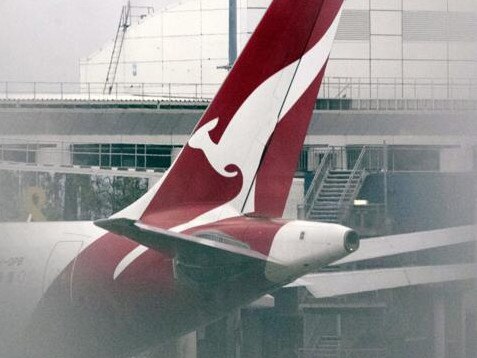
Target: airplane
208, 238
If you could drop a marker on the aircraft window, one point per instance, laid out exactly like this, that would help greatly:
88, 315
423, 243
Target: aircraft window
302, 235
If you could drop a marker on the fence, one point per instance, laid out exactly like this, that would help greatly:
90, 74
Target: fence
94, 91
376, 158
342, 353
341, 88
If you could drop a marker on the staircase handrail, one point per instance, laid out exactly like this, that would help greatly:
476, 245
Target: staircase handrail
317, 181
357, 168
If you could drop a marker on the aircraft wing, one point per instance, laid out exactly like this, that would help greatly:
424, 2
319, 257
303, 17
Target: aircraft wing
384, 246
174, 243
330, 284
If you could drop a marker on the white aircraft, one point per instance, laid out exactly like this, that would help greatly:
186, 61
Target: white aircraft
209, 237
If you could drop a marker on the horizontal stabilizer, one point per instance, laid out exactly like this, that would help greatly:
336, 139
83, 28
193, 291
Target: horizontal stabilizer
404, 243
173, 243
330, 284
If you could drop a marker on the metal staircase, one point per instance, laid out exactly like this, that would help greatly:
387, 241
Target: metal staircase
124, 23
333, 191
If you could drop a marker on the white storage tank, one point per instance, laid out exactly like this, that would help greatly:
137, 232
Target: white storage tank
384, 49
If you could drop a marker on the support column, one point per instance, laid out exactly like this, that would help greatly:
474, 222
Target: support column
461, 327
283, 334
222, 338
439, 327
232, 32
252, 333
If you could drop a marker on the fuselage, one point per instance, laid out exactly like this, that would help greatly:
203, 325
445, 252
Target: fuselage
62, 294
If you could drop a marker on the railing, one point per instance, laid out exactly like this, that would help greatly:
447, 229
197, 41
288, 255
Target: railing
344, 353
318, 181
344, 158
93, 91
393, 88
352, 187
364, 353
349, 92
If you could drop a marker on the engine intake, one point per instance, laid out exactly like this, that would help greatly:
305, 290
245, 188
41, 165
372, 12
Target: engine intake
351, 241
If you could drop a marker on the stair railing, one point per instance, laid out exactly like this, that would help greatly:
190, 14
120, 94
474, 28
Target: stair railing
317, 182
351, 190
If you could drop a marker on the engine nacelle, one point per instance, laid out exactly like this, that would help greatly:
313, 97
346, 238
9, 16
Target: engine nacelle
301, 247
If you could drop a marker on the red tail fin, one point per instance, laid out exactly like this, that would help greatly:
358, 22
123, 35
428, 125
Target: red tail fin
243, 152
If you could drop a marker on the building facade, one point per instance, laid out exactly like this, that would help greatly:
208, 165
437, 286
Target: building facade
384, 49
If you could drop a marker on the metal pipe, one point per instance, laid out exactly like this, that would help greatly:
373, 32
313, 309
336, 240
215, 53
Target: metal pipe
232, 32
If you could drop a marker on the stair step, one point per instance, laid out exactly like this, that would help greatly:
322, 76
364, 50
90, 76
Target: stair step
335, 180
322, 214
340, 180
334, 171
332, 199
332, 190
338, 176
325, 221
336, 193
333, 187
325, 207
347, 175
330, 195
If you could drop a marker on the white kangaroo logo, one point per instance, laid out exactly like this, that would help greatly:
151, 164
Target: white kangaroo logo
201, 140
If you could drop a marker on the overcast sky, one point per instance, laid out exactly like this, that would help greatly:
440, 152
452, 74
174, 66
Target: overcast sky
43, 40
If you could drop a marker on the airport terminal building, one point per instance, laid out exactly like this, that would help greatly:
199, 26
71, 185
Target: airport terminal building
391, 149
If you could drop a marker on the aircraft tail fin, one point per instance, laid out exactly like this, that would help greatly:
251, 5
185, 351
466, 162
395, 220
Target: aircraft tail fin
242, 155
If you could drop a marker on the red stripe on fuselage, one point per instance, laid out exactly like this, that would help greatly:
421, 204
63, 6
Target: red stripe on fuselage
145, 303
